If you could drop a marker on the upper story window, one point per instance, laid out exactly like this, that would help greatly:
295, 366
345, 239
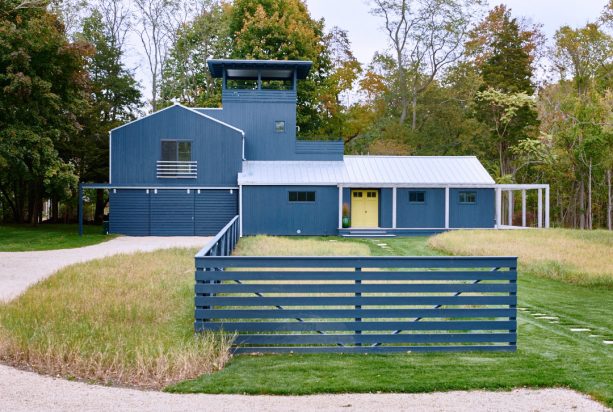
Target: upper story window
301, 196
468, 197
417, 197
176, 151
280, 126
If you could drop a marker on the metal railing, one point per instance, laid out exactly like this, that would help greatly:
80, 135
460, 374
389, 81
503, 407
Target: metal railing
177, 169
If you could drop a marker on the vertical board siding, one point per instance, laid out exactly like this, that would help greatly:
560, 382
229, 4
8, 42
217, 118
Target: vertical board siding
266, 210
430, 214
358, 304
385, 207
172, 213
213, 210
129, 212
136, 148
478, 215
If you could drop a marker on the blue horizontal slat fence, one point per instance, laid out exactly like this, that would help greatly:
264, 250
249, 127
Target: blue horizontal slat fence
358, 304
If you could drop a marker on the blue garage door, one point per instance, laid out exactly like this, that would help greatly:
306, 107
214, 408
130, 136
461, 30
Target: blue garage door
129, 212
172, 213
213, 209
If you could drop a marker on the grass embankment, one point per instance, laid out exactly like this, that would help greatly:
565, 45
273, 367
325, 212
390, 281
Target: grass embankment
573, 256
21, 238
124, 320
549, 354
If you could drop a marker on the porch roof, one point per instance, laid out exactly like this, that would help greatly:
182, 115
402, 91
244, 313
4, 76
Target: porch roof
369, 171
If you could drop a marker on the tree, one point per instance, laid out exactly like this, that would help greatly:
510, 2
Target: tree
426, 37
114, 95
503, 52
43, 81
186, 77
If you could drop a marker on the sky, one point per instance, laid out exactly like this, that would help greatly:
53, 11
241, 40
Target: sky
365, 30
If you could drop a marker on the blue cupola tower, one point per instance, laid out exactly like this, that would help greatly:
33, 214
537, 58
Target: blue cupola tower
259, 97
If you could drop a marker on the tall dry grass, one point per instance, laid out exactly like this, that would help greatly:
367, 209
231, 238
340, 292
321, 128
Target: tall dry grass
287, 246
580, 257
125, 320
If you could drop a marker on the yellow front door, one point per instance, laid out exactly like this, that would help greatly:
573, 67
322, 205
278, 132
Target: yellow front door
364, 208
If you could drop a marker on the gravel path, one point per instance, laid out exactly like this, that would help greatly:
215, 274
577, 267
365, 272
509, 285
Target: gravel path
27, 391
19, 270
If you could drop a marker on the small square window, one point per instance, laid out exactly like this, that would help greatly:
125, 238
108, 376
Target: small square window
301, 196
357, 194
280, 126
417, 197
468, 197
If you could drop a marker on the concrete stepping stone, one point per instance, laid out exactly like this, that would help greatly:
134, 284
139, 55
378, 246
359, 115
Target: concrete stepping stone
579, 329
539, 314
548, 317
608, 342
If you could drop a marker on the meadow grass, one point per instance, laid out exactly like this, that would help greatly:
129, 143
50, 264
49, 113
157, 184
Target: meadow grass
123, 320
21, 238
573, 256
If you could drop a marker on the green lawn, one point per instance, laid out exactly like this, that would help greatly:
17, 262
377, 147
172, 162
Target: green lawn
549, 354
21, 238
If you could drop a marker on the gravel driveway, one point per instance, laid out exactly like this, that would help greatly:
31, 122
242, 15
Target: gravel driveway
27, 391
19, 270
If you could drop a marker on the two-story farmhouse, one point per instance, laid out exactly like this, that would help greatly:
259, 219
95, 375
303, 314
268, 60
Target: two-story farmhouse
188, 171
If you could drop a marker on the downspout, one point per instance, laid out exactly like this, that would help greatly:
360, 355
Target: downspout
80, 206
243, 134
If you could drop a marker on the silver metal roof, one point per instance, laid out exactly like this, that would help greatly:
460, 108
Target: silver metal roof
369, 171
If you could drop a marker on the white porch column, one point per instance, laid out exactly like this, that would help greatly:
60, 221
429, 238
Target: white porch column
340, 207
540, 208
523, 208
447, 207
547, 207
394, 207
510, 206
240, 210
498, 207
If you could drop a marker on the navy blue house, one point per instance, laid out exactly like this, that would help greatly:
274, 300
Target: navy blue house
188, 171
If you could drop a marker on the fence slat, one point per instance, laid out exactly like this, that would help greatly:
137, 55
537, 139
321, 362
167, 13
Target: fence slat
352, 300
349, 326
313, 339
373, 349
352, 288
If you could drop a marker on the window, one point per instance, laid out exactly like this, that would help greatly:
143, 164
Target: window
357, 194
176, 150
468, 197
301, 196
417, 197
280, 126
371, 194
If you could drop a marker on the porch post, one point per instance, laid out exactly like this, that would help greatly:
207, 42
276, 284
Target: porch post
498, 207
340, 207
540, 208
523, 208
80, 209
510, 205
240, 209
446, 207
394, 207
547, 207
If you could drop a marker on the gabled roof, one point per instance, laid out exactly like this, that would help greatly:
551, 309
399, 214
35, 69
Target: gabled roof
369, 171
189, 109
216, 66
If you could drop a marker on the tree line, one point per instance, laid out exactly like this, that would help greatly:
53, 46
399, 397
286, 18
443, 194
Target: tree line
453, 79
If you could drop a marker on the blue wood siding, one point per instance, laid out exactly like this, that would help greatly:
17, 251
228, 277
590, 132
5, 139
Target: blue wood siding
385, 207
481, 214
213, 209
430, 214
266, 210
171, 212
136, 147
129, 212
